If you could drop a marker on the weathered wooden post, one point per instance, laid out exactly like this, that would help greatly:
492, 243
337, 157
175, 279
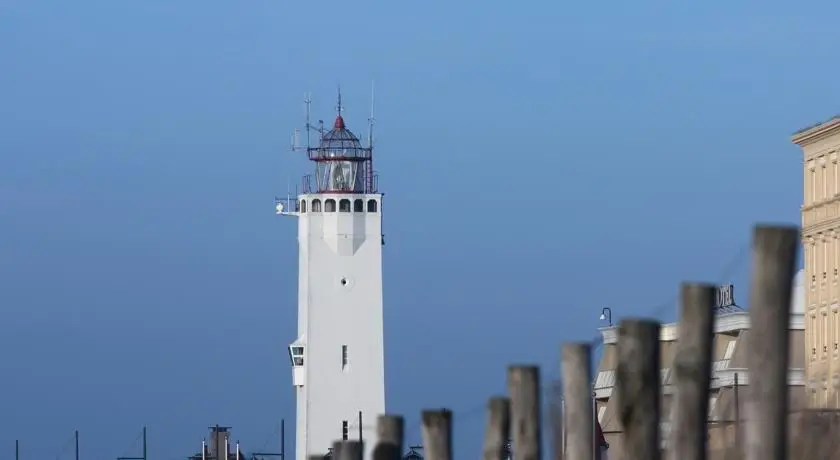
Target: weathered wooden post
524, 391
577, 394
389, 430
498, 428
774, 264
692, 373
437, 434
347, 450
637, 388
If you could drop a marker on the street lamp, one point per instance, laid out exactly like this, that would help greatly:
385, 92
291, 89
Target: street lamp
606, 315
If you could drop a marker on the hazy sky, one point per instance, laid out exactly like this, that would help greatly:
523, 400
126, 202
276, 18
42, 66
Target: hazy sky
541, 160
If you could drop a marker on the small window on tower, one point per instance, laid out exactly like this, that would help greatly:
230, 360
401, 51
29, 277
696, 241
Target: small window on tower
329, 205
316, 205
302, 205
358, 206
345, 360
296, 355
344, 205
371, 206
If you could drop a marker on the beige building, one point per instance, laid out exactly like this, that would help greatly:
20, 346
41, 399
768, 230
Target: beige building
729, 375
821, 250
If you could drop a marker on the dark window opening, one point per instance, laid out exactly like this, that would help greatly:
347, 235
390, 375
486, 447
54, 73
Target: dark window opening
371, 207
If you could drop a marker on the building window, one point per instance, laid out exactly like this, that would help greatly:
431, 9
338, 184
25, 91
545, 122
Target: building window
345, 360
824, 338
296, 355
834, 179
813, 185
316, 205
329, 205
344, 205
825, 259
371, 206
836, 256
302, 205
358, 206
813, 333
824, 174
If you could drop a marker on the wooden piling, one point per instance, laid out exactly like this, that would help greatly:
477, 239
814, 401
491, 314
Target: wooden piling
524, 392
692, 373
437, 434
349, 450
637, 388
389, 430
774, 265
577, 369
497, 432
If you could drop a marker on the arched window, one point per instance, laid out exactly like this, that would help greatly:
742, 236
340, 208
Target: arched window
329, 205
371, 206
302, 205
344, 205
358, 206
316, 205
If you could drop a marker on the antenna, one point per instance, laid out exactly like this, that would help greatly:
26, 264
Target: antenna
289, 194
339, 108
372, 119
307, 100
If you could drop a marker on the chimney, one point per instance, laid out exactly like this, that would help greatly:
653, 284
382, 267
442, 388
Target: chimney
219, 442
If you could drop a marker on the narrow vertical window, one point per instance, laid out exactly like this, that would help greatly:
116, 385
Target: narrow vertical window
824, 338
836, 256
835, 326
824, 174
813, 185
345, 361
834, 179
813, 334
825, 259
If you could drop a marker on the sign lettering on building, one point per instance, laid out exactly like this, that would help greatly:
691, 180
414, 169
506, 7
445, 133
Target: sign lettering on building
725, 296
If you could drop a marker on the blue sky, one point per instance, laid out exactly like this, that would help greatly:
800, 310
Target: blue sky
541, 161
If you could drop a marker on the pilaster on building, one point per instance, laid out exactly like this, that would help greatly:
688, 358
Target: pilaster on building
820, 148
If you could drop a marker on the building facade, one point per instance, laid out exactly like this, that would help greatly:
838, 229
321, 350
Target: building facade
820, 146
337, 359
730, 376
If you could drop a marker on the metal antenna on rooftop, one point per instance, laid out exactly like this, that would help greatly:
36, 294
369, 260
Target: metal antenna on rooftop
339, 108
372, 119
308, 127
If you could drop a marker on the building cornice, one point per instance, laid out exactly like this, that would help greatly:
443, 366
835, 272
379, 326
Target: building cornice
809, 231
816, 132
726, 377
732, 322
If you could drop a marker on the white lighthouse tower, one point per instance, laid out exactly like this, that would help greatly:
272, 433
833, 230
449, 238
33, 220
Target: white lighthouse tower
338, 368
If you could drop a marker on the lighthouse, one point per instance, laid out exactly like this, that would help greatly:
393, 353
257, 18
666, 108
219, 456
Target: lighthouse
337, 358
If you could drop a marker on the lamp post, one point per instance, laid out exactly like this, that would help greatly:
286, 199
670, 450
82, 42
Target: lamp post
606, 315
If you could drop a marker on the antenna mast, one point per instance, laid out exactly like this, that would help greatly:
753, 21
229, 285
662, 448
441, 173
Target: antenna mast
307, 102
371, 122
372, 119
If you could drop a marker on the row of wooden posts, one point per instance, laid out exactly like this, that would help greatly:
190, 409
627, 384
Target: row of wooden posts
637, 389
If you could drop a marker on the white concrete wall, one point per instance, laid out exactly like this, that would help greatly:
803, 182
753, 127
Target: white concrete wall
340, 304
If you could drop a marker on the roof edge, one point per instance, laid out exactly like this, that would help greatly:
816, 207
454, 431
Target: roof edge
805, 135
